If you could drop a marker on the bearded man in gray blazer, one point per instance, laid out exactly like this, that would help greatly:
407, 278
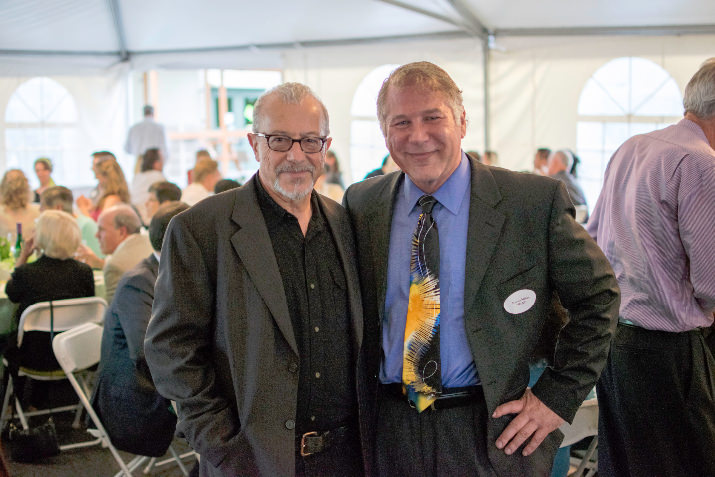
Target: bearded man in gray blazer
506, 242
256, 329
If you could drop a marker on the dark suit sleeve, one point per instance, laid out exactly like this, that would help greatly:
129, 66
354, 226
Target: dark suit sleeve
585, 282
178, 344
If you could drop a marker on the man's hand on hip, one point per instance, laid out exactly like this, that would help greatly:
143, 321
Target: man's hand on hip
534, 419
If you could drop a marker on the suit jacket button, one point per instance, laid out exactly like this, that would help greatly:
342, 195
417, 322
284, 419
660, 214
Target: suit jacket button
290, 424
293, 367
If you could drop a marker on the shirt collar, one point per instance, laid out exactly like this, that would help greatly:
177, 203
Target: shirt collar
450, 194
695, 128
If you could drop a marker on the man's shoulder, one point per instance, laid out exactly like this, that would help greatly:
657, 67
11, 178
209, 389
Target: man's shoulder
364, 192
521, 183
213, 209
676, 146
331, 207
141, 276
684, 137
136, 245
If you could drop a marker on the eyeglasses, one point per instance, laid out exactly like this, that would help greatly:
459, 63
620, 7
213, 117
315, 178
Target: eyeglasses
280, 143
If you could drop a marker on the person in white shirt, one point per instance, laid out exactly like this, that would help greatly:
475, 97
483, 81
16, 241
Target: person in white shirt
146, 134
205, 176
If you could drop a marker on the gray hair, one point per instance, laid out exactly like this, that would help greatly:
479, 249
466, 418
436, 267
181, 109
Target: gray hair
422, 74
699, 97
125, 216
57, 234
565, 157
289, 93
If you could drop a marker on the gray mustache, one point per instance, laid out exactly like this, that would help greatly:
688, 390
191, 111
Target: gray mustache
295, 168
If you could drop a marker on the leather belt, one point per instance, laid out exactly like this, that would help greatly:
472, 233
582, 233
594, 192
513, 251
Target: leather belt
314, 442
450, 397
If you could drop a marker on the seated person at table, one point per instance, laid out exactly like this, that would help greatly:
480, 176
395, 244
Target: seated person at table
111, 190
136, 417
152, 164
55, 275
226, 184
61, 198
118, 231
160, 192
16, 206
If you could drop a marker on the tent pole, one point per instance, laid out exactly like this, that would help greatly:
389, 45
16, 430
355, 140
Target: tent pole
487, 92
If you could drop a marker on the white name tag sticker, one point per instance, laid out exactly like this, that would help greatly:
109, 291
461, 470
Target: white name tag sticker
520, 301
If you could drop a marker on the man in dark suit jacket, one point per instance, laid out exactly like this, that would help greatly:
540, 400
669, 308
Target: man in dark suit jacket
507, 241
257, 324
136, 417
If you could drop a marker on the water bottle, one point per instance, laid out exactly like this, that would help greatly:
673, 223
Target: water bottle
19, 242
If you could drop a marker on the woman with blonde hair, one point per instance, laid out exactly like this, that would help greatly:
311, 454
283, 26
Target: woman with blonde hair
55, 275
16, 205
112, 188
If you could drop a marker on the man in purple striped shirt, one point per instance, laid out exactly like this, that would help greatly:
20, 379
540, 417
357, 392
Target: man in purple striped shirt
655, 221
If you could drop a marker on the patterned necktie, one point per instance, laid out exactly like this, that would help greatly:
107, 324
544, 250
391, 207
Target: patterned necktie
421, 373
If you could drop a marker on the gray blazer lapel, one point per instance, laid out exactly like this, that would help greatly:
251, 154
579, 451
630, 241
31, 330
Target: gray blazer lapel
343, 239
253, 246
380, 225
485, 224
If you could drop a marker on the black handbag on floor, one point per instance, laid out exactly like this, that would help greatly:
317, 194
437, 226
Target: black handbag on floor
35, 443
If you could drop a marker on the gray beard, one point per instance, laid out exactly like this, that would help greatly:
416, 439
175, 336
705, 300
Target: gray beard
293, 195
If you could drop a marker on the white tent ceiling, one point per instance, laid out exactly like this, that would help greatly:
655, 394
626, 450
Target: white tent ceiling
145, 33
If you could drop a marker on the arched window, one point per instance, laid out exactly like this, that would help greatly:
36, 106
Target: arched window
625, 97
41, 120
367, 145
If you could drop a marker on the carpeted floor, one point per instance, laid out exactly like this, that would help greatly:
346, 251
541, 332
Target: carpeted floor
94, 461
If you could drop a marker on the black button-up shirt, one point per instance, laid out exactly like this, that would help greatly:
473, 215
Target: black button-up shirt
316, 293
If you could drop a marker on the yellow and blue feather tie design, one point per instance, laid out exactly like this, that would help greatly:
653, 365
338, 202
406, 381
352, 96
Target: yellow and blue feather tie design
421, 373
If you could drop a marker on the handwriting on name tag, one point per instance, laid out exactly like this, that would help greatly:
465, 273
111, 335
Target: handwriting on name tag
520, 301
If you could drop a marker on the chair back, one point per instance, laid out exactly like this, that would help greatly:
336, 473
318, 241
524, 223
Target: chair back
67, 314
585, 423
581, 213
78, 348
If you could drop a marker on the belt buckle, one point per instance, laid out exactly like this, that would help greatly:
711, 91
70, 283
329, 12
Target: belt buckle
303, 453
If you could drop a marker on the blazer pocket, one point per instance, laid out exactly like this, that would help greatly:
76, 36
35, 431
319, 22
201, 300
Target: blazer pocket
518, 294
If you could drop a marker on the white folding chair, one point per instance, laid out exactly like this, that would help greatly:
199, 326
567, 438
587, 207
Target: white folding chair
76, 350
155, 462
584, 424
65, 315
581, 213
79, 349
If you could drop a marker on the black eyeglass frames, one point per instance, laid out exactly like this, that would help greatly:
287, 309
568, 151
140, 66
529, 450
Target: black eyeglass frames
280, 143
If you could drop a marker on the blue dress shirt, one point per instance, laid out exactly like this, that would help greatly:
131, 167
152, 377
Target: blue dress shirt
451, 214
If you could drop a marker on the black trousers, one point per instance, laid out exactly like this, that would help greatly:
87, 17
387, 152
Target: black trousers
656, 405
446, 442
